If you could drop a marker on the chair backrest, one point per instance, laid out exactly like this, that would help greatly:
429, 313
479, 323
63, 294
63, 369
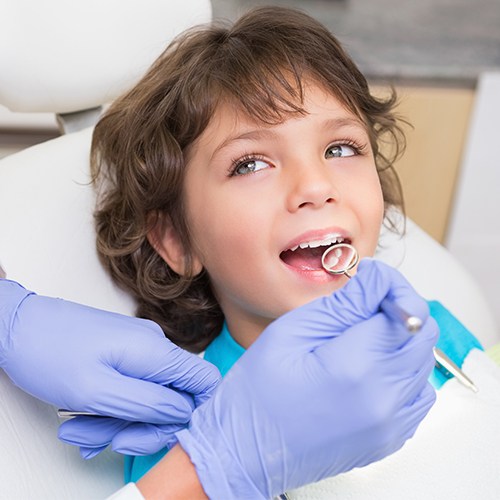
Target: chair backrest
63, 56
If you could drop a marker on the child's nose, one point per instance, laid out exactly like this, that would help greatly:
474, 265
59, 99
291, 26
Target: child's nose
311, 185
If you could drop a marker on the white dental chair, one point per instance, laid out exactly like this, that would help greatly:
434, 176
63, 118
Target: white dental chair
70, 58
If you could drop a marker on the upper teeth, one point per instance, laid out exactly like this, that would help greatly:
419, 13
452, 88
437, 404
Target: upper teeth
330, 240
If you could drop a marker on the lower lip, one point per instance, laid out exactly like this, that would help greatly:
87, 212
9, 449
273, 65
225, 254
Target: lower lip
317, 275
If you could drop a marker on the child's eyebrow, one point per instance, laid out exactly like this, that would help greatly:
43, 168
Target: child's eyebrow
267, 133
344, 122
250, 135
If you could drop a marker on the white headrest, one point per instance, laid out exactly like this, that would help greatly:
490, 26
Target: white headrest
64, 56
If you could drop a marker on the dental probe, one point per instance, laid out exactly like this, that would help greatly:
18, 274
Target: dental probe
62, 413
412, 323
341, 258
443, 361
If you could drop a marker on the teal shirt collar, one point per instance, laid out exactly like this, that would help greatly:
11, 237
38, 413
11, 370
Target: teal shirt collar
223, 351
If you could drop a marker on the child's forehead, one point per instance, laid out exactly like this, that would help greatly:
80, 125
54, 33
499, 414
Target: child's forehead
231, 121
237, 110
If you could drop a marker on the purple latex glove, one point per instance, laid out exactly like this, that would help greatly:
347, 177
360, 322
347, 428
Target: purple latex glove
84, 359
330, 386
93, 434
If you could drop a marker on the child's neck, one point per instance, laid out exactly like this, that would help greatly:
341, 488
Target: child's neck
245, 331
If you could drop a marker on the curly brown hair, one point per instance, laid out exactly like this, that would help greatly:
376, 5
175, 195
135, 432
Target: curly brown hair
260, 64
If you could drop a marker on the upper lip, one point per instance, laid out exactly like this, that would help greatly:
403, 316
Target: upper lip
317, 238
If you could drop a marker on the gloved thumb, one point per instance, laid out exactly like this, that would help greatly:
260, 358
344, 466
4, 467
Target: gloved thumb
362, 296
325, 318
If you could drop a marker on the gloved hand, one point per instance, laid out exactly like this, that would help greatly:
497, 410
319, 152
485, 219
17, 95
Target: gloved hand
327, 387
92, 435
80, 358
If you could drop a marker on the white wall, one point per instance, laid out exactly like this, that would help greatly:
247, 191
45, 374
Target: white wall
474, 231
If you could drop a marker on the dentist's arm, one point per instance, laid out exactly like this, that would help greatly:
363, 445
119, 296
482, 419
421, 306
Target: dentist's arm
80, 358
328, 387
353, 382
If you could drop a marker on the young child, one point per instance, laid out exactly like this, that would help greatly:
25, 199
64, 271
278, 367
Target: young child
226, 172
237, 146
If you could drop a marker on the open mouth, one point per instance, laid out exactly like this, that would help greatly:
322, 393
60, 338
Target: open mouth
307, 255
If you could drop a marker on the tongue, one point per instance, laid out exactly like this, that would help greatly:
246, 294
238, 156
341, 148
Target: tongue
307, 259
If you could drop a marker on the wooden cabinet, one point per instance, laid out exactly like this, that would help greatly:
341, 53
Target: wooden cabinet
428, 169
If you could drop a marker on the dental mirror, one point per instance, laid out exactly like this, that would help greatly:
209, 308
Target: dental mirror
340, 259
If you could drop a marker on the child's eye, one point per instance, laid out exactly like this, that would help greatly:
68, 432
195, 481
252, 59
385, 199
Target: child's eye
248, 166
340, 151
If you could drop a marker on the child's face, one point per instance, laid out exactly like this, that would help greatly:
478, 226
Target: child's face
254, 191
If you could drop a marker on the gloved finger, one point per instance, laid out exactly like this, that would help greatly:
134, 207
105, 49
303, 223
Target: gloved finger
412, 414
391, 337
405, 424
418, 349
94, 434
377, 275
145, 439
90, 432
136, 400
408, 390
329, 316
88, 453
360, 298
374, 360
376, 281
159, 360
373, 340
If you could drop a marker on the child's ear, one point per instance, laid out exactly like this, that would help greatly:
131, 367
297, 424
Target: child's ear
165, 240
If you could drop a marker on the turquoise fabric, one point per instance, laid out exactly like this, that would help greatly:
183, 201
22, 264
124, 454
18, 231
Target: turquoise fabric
455, 340
136, 467
224, 351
